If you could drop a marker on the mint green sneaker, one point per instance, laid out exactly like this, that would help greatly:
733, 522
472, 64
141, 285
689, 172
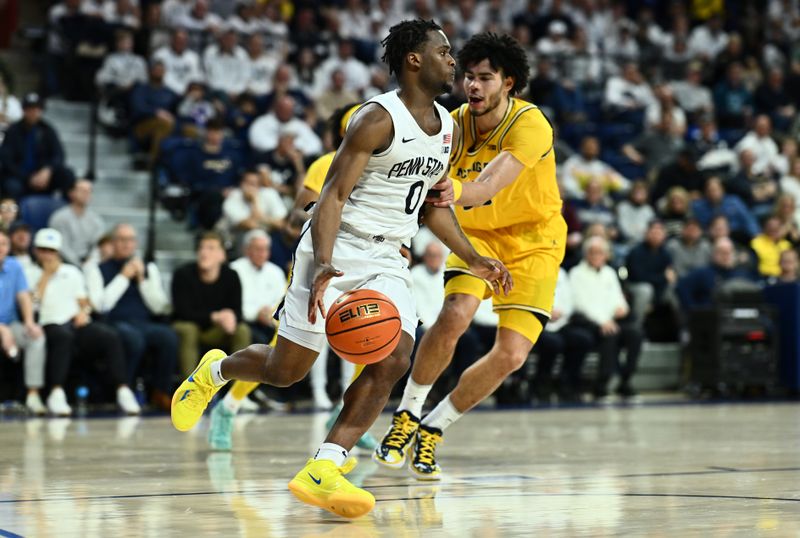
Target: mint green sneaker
219, 434
367, 441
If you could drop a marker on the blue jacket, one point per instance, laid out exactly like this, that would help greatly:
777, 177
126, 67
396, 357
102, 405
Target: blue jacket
146, 99
739, 217
647, 265
697, 288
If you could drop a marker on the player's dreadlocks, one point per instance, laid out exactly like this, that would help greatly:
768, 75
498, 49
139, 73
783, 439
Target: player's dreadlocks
504, 54
405, 37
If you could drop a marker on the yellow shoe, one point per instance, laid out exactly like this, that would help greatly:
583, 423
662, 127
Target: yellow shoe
423, 462
397, 441
321, 483
192, 397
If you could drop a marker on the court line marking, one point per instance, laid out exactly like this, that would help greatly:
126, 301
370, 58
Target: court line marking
381, 486
8, 534
578, 494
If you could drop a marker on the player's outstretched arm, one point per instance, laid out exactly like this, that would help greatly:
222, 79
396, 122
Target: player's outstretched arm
501, 172
371, 130
442, 222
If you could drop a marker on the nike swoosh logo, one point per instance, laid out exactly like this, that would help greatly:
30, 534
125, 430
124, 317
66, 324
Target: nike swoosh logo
406, 140
317, 481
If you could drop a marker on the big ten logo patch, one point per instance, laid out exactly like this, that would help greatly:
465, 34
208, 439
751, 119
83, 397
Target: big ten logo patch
364, 311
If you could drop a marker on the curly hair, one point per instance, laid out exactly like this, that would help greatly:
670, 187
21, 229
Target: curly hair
405, 37
504, 54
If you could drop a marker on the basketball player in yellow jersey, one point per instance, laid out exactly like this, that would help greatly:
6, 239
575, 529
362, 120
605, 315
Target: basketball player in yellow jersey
509, 207
221, 427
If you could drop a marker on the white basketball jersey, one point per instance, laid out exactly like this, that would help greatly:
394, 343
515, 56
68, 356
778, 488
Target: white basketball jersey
387, 198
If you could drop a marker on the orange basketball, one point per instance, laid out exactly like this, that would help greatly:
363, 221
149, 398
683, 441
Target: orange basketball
363, 326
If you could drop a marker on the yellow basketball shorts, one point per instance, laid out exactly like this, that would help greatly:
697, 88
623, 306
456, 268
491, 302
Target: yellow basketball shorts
533, 255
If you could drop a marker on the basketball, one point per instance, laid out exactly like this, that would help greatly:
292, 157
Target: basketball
363, 326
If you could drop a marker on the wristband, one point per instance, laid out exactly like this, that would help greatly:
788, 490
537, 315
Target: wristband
458, 187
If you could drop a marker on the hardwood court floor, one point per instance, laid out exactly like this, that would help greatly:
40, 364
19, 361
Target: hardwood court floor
698, 470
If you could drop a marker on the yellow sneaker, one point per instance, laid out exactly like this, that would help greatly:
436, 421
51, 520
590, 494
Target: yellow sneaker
392, 450
321, 483
192, 397
423, 464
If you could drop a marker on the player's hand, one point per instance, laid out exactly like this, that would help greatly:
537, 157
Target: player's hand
441, 194
494, 272
322, 277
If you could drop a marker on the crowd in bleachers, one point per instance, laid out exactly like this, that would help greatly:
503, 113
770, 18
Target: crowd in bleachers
677, 147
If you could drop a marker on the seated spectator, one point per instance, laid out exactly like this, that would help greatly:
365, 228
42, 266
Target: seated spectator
556, 44
241, 116
560, 337
768, 246
594, 208
200, 21
207, 304
212, 174
152, 106
786, 212
20, 236
689, 251
263, 285
789, 267
243, 21
131, 297
428, 279
121, 70
181, 64
712, 151
681, 173
655, 148
691, 95
24, 334
772, 99
262, 66
335, 96
266, 130
80, 226
674, 210
732, 100
9, 211
708, 40
284, 84
601, 309
253, 206
758, 190
650, 273
286, 166
356, 74
72, 336
664, 103
227, 66
10, 108
173, 10
122, 13
790, 150
760, 143
635, 214
195, 110
698, 288
32, 157
579, 169
627, 96
716, 202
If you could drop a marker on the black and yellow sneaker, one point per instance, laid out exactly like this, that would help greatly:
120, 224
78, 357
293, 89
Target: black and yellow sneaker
391, 452
423, 462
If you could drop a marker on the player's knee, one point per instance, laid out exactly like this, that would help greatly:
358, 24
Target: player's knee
453, 319
396, 366
509, 360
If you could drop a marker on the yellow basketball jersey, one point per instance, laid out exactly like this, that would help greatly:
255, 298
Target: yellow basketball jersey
315, 175
525, 132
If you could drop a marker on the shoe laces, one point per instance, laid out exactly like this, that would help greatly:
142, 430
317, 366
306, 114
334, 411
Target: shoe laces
402, 428
426, 446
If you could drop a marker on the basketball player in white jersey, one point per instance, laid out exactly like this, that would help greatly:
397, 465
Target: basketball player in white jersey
395, 148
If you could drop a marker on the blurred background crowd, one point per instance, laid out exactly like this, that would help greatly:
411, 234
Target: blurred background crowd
677, 143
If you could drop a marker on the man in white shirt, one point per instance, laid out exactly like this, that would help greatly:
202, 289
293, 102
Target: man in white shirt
560, 337
357, 75
65, 315
267, 129
182, 65
263, 285
200, 19
600, 308
428, 279
172, 11
629, 92
80, 226
262, 66
584, 167
708, 40
759, 141
227, 65
122, 69
252, 206
690, 93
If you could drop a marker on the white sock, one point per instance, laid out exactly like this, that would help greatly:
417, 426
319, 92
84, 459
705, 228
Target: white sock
231, 403
442, 415
414, 397
216, 373
333, 452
